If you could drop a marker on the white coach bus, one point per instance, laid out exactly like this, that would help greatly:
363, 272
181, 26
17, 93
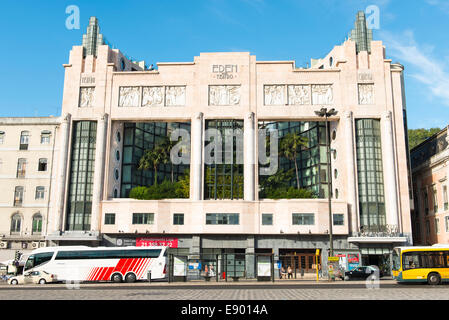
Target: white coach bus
82, 263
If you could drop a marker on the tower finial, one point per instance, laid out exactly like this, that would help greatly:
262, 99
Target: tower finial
361, 34
93, 38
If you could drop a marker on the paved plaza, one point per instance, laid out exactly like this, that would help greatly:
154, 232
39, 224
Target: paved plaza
291, 290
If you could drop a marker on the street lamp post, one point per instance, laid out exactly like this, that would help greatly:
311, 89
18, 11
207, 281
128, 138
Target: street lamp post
325, 113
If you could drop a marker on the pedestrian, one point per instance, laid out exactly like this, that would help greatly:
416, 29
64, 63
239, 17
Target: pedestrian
283, 273
290, 272
206, 271
320, 272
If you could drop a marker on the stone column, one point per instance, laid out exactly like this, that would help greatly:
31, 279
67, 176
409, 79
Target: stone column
250, 260
197, 156
249, 157
62, 172
390, 183
351, 171
98, 173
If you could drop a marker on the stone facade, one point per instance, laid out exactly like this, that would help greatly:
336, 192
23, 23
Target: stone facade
430, 172
109, 90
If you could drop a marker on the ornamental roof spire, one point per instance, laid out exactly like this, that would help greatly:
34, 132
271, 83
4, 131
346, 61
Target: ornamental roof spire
93, 38
361, 34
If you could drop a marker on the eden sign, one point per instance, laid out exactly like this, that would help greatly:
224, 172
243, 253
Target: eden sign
224, 71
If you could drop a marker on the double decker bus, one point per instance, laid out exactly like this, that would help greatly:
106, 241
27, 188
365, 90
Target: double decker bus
117, 264
421, 264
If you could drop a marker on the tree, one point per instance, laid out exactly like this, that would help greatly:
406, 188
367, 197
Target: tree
290, 146
416, 136
151, 159
166, 146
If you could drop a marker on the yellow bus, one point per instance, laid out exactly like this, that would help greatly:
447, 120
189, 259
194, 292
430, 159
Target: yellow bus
421, 264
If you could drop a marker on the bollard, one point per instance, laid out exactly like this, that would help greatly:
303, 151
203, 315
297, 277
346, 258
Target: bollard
149, 276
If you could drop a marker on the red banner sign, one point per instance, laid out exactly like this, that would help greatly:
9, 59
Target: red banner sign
162, 242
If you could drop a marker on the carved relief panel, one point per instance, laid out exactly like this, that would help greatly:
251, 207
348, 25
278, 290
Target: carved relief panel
129, 96
322, 94
86, 97
298, 94
224, 95
152, 96
175, 96
274, 95
366, 93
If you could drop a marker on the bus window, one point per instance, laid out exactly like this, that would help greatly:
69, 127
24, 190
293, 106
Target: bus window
411, 260
38, 259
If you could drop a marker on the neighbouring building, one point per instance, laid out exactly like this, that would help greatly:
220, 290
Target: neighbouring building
114, 109
430, 171
27, 165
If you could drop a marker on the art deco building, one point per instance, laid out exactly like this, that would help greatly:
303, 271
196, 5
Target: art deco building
114, 109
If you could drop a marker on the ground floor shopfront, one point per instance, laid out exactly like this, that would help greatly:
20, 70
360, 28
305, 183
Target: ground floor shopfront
242, 255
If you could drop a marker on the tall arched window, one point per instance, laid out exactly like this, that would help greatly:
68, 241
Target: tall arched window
37, 224
16, 222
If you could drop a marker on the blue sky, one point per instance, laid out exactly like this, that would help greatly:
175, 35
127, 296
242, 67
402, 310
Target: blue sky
35, 41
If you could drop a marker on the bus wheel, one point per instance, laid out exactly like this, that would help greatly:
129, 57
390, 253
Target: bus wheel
433, 279
117, 278
130, 277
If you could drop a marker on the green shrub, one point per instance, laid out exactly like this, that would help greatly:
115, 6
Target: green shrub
164, 190
140, 193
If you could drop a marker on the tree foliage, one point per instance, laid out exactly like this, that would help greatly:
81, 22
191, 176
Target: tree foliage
290, 146
416, 136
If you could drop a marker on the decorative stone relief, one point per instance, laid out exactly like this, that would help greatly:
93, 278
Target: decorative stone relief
86, 97
274, 95
129, 96
366, 93
175, 96
224, 95
152, 96
322, 94
298, 94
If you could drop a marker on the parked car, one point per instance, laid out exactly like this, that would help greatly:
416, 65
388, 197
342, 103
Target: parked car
362, 272
40, 277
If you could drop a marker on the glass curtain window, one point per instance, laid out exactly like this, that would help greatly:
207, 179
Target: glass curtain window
312, 161
224, 180
142, 136
81, 175
370, 173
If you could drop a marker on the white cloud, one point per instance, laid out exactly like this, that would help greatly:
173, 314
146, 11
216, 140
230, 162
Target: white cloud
420, 61
441, 4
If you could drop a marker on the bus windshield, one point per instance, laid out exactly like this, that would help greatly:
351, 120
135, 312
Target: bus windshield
396, 259
38, 259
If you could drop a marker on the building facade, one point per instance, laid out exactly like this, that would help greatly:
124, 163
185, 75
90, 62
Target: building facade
430, 170
27, 164
115, 109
